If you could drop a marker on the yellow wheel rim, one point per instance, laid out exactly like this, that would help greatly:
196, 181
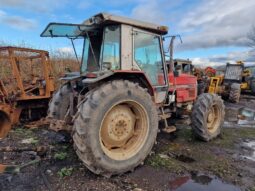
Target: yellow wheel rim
124, 130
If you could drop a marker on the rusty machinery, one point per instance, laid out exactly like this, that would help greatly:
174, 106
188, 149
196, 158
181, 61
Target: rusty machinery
26, 85
123, 89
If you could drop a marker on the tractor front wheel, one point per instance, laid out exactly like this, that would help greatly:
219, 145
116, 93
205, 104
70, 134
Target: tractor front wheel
115, 128
208, 116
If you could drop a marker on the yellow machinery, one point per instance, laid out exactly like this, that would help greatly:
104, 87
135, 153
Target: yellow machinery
237, 78
229, 85
216, 84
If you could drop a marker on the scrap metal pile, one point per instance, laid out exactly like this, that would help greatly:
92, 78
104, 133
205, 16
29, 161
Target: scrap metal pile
26, 85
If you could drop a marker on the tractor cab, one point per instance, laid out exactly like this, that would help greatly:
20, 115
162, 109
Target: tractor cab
184, 66
114, 45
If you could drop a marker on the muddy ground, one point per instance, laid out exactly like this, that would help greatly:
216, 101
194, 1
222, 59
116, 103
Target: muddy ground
178, 162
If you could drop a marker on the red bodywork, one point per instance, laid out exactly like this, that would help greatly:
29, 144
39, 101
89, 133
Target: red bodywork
185, 85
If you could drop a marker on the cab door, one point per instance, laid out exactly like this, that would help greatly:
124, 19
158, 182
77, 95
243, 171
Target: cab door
148, 57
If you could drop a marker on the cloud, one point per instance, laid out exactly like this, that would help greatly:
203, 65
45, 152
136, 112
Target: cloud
157, 11
246, 56
17, 21
218, 60
205, 62
217, 23
148, 11
35, 6
65, 50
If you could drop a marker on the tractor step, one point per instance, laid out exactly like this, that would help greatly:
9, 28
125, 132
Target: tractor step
165, 116
169, 129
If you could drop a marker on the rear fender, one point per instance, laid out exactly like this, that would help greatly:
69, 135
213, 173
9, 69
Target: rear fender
134, 76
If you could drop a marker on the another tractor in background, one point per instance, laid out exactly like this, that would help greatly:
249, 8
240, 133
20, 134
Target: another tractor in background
183, 66
26, 85
229, 85
122, 92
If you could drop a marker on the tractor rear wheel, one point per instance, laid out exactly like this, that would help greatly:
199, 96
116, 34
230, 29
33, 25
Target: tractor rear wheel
208, 116
59, 104
235, 93
115, 128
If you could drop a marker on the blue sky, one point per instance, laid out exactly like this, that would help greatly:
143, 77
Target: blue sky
213, 31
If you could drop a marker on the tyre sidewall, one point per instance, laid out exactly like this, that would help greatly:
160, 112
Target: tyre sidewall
95, 124
60, 103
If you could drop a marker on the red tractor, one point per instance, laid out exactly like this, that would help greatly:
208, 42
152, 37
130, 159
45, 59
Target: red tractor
123, 90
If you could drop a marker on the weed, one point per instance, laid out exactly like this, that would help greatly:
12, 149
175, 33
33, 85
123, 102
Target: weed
24, 132
60, 156
65, 172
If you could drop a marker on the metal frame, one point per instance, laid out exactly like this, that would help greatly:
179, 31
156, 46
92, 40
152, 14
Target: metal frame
12, 58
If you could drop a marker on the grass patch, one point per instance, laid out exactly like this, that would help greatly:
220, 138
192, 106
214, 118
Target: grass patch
169, 163
63, 172
252, 188
230, 136
24, 132
60, 156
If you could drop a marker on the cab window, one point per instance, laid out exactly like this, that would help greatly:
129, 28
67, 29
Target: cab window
110, 54
148, 58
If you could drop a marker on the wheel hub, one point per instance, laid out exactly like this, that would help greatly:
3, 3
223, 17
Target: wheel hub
210, 116
213, 119
124, 130
118, 127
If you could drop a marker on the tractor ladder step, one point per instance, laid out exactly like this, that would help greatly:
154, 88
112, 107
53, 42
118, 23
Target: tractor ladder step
165, 116
169, 129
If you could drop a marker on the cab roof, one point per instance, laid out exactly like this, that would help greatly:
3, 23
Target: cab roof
107, 19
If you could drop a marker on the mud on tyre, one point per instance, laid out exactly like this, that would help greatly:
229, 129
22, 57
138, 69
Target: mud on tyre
116, 128
208, 116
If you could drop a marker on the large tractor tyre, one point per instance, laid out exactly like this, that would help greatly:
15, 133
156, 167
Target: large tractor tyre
115, 128
208, 116
59, 104
235, 93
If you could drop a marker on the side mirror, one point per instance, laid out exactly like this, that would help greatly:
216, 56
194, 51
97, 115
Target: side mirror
176, 74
